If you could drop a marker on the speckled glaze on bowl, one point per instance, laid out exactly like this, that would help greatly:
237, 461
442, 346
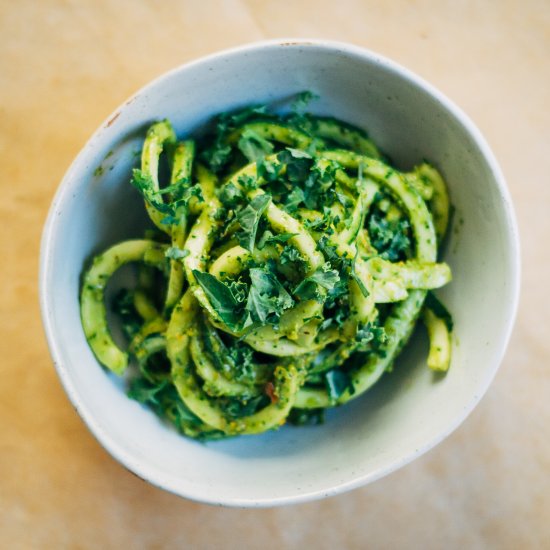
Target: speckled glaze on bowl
410, 410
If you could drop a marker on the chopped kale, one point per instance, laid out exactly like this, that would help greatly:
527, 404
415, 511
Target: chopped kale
249, 218
267, 298
217, 156
231, 196
302, 101
147, 392
229, 121
248, 183
144, 184
238, 408
291, 255
370, 336
269, 238
298, 164
316, 285
337, 382
253, 146
294, 199
123, 306
221, 296
391, 238
163, 398
243, 362
269, 170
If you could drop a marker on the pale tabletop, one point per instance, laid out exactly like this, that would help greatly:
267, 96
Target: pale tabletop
64, 66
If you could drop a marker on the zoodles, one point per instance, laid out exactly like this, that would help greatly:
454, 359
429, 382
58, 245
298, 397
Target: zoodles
287, 268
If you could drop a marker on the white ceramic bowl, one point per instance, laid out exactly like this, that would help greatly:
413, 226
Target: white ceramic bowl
410, 410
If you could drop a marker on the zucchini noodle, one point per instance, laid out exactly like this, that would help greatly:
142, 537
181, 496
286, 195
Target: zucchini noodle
287, 266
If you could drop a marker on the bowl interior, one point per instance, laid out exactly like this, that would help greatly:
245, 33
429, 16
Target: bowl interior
410, 409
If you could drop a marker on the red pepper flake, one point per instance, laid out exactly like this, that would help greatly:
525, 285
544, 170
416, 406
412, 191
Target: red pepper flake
270, 391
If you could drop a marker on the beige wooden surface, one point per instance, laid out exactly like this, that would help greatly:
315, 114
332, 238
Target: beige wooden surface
64, 66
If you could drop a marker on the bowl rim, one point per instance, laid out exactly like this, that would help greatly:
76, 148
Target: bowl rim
164, 482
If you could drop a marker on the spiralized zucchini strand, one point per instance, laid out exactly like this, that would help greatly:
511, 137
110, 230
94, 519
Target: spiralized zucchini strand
160, 136
92, 299
182, 166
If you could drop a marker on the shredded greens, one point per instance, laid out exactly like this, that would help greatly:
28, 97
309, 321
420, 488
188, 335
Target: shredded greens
288, 268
